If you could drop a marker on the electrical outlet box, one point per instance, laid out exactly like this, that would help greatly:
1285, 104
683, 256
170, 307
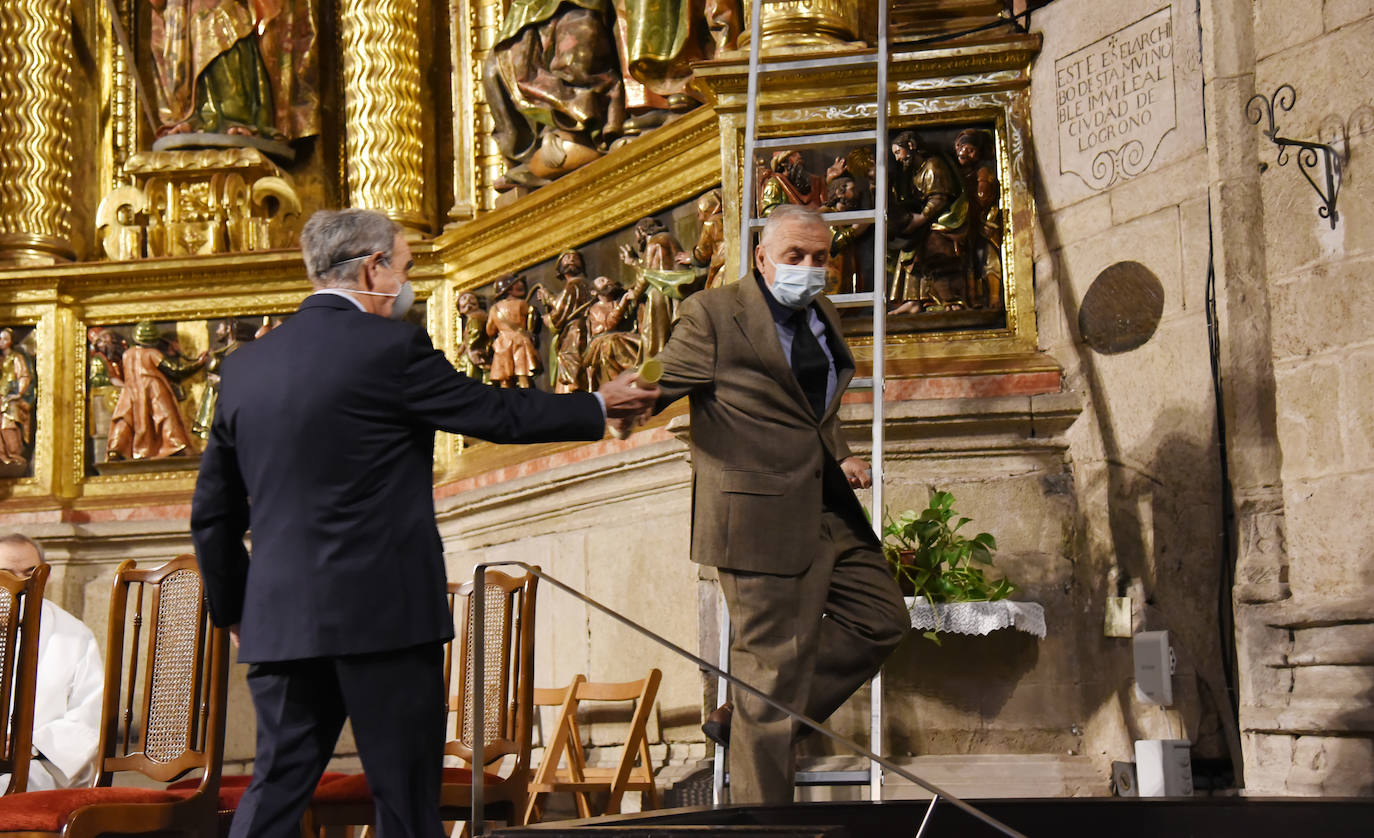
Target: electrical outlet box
1154, 667
1164, 768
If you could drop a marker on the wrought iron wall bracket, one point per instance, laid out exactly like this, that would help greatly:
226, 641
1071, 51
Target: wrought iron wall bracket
1261, 108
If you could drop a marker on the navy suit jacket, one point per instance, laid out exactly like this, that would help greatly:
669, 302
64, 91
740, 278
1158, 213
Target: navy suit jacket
323, 445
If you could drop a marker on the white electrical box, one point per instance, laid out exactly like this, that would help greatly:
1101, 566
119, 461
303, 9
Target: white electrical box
1154, 667
1163, 768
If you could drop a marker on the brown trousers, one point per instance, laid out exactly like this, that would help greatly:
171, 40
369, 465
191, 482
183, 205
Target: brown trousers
809, 641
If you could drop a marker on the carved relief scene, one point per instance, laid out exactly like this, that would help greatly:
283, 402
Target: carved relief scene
152, 387
18, 391
576, 321
946, 210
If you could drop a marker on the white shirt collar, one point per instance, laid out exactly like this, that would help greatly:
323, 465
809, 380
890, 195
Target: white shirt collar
340, 292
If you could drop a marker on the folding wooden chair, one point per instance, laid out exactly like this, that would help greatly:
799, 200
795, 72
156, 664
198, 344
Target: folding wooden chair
634, 770
507, 717
21, 607
163, 725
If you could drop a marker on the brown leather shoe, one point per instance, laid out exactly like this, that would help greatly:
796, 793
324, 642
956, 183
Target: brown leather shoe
717, 724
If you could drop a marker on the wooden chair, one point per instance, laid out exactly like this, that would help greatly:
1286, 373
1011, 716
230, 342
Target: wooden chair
507, 719
634, 770
163, 723
21, 607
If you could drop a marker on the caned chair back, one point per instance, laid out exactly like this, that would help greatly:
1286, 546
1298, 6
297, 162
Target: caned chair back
508, 656
21, 606
166, 671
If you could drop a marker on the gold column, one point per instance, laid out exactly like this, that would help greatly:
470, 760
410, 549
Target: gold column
35, 131
490, 165
384, 158
804, 23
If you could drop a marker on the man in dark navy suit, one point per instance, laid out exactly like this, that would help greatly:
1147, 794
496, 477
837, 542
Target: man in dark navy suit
322, 445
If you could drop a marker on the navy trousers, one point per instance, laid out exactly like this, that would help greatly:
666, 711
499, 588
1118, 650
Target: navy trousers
395, 700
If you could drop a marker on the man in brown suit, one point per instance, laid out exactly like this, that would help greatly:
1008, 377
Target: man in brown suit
764, 363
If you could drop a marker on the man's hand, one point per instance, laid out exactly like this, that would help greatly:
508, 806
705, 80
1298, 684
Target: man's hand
856, 469
234, 634
628, 397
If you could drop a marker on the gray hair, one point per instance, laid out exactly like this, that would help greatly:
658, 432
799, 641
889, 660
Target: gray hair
783, 213
335, 242
20, 538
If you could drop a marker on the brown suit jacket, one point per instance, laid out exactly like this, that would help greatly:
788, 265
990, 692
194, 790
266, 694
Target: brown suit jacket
760, 456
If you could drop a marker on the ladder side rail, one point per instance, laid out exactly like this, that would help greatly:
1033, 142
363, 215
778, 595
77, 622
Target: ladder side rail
879, 359
746, 206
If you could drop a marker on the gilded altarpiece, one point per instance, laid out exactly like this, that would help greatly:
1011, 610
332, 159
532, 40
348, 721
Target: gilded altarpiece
242, 268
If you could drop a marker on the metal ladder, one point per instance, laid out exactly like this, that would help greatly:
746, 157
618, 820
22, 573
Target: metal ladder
876, 297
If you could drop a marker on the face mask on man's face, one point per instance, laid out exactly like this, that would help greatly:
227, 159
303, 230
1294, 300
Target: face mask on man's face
795, 286
404, 299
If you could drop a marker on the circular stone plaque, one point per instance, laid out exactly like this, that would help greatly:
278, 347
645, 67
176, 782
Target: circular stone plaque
1122, 308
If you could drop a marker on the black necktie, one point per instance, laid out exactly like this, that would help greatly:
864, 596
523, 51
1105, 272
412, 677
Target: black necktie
809, 363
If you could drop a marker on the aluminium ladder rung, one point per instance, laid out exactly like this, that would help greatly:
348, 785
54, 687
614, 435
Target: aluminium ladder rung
829, 61
847, 217
860, 384
850, 300
804, 140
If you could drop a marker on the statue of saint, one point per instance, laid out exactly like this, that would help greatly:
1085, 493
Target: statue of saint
611, 349
657, 259
474, 354
147, 421
231, 334
924, 190
845, 270
514, 359
982, 244
567, 321
709, 251
247, 67
16, 412
554, 87
787, 181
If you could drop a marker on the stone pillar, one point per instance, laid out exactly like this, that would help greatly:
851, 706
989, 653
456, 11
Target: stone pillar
35, 133
384, 158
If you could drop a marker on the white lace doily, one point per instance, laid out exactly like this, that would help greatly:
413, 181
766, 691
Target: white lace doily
978, 617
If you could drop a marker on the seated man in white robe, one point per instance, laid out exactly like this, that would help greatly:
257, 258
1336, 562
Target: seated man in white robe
71, 678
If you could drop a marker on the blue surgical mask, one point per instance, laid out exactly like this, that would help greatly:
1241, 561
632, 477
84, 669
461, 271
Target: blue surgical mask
795, 286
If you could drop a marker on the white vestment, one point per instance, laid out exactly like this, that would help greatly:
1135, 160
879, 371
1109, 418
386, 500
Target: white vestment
66, 719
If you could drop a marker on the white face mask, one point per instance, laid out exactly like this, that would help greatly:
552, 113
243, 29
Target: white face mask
404, 298
795, 286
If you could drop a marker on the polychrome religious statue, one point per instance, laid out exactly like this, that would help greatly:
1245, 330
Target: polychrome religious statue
554, 86
924, 211
661, 279
16, 410
844, 271
709, 251
474, 353
788, 181
567, 79
567, 321
231, 334
511, 321
247, 67
147, 422
611, 348
981, 240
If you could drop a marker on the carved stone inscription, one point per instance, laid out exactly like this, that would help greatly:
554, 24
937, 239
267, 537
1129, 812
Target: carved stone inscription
1114, 101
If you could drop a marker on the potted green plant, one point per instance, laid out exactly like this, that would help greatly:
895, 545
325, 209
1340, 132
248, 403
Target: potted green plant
931, 558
